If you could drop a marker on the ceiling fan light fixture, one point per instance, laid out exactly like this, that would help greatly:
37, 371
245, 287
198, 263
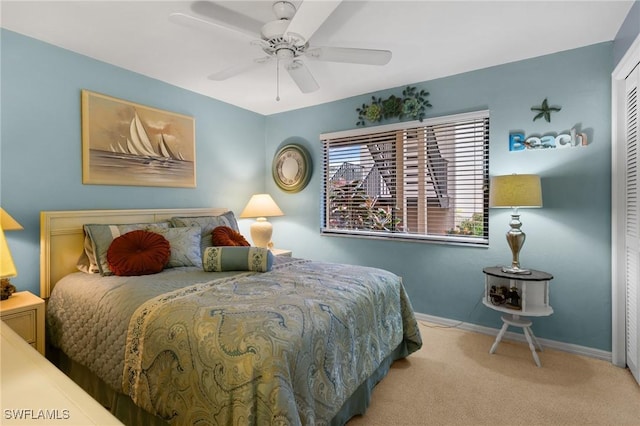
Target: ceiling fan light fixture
285, 54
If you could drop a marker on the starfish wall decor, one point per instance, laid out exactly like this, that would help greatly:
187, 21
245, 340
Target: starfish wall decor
545, 111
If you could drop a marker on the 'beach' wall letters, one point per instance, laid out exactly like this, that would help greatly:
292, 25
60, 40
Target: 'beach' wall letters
518, 142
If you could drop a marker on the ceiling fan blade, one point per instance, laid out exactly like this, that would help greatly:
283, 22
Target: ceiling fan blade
238, 69
208, 14
302, 76
350, 55
309, 16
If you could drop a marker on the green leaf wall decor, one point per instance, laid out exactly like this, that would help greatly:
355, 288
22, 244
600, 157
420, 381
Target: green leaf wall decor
412, 104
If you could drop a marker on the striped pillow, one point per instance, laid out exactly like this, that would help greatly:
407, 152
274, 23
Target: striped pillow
237, 258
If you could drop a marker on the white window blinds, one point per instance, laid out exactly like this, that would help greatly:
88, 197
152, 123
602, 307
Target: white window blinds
415, 180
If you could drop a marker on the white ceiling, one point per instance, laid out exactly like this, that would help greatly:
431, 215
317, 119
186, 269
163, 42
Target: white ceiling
429, 39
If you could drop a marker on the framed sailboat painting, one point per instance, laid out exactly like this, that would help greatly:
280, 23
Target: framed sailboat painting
124, 143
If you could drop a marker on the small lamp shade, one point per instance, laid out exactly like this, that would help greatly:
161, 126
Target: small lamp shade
7, 268
261, 206
7, 223
515, 191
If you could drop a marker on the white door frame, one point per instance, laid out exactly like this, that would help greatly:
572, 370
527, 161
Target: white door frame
618, 202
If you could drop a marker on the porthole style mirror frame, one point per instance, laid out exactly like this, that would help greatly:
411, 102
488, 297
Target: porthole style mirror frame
291, 168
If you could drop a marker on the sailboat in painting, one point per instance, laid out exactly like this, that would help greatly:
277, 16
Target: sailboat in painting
166, 151
139, 144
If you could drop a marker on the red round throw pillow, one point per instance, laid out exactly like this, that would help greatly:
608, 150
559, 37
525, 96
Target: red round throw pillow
138, 253
225, 236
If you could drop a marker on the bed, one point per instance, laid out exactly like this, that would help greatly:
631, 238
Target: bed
297, 342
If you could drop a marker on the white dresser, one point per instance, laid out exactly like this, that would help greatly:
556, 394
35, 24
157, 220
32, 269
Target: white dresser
34, 392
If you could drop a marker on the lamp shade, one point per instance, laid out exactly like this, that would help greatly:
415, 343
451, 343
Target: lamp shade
515, 191
261, 205
7, 268
7, 223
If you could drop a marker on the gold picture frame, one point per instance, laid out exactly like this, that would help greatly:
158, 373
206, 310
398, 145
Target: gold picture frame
124, 143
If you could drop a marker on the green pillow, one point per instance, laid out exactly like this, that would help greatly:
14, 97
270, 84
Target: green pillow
185, 246
237, 258
206, 225
101, 236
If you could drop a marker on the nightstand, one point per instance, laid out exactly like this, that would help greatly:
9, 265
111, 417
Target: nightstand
24, 313
281, 252
518, 295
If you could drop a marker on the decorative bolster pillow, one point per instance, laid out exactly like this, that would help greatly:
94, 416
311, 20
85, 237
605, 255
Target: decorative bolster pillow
237, 258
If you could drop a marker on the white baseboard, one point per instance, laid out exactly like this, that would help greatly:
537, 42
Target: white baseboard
518, 337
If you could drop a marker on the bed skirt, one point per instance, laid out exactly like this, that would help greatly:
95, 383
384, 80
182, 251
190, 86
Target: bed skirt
127, 412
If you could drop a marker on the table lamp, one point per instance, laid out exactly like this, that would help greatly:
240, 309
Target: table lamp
515, 191
7, 267
261, 206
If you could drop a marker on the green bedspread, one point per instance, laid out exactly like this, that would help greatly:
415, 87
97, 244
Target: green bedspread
287, 347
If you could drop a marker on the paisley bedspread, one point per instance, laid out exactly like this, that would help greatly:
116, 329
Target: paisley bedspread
287, 347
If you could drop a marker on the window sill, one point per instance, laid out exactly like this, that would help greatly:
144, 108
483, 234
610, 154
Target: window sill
434, 239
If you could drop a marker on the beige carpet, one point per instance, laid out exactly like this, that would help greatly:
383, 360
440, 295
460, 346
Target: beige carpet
453, 380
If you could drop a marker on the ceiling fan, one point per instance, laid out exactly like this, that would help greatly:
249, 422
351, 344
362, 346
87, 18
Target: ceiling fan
285, 39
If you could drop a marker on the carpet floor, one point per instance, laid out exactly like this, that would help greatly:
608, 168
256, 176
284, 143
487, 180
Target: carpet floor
453, 380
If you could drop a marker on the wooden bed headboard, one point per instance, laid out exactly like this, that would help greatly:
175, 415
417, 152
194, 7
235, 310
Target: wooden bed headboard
62, 235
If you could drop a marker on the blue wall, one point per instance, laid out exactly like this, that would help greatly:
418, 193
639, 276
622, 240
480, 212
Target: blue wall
628, 32
41, 160
569, 237
40, 169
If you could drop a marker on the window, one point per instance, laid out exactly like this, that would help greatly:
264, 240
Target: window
415, 180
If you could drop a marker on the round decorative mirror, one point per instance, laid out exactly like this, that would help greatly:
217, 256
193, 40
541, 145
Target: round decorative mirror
291, 168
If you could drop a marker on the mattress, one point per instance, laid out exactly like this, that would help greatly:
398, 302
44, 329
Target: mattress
289, 346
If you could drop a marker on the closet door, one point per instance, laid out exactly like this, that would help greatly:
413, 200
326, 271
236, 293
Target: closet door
632, 222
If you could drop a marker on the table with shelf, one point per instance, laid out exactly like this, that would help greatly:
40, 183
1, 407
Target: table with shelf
533, 291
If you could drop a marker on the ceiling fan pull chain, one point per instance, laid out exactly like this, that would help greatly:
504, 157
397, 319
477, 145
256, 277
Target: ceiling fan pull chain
277, 79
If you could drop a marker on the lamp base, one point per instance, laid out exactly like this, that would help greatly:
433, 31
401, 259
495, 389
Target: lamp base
6, 289
515, 239
261, 231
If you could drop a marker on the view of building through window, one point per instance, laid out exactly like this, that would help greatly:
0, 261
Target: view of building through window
418, 180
